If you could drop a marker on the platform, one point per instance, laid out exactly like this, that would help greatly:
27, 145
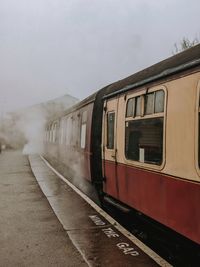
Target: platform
30, 233
100, 240
59, 226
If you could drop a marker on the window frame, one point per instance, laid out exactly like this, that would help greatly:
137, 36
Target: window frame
144, 116
51, 132
68, 122
61, 131
55, 129
107, 139
83, 125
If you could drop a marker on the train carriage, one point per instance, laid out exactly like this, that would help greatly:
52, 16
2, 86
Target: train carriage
149, 152
68, 145
142, 148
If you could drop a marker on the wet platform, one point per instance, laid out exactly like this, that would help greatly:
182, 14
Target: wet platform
98, 238
30, 233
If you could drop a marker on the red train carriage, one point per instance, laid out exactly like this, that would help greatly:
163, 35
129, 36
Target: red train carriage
68, 145
139, 143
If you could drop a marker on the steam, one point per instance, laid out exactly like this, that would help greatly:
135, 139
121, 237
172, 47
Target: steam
33, 122
25, 128
33, 125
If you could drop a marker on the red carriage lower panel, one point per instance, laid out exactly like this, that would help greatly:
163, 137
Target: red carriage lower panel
110, 186
171, 201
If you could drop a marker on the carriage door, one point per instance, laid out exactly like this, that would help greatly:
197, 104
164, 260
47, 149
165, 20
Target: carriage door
110, 147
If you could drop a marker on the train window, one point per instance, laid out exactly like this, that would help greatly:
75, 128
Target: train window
144, 140
159, 101
54, 132
68, 128
57, 128
74, 131
49, 131
62, 125
130, 110
134, 106
149, 103
154, 102
47, 134
83, 129
144, 135
84, 117
83, 135
110, 130
138, 105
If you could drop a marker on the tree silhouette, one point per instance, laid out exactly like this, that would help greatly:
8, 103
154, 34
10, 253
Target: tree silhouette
185, 43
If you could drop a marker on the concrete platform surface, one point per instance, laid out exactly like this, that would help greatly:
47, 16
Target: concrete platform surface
96, 238
30, 233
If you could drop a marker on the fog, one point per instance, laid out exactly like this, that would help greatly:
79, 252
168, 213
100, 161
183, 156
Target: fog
32, 126
25, 128
49, 48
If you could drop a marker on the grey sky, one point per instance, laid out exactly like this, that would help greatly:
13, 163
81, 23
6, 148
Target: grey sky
52, 47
